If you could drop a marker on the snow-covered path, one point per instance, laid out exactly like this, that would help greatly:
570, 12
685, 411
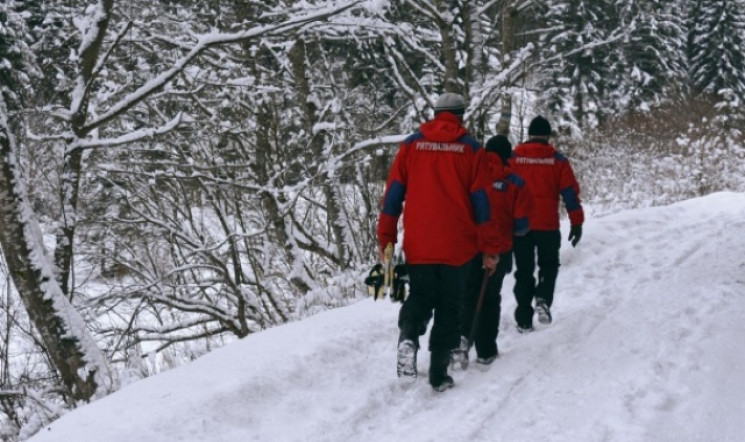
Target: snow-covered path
648, 344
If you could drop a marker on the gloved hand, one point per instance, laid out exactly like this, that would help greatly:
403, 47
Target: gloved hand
575, 234
489, 263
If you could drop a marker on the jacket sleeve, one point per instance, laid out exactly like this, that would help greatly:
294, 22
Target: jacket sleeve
491, 240
391, 206
523, 206
502, 213
569, 190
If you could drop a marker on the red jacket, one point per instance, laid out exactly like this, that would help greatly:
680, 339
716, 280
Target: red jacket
510, 199
548, 176
442, 173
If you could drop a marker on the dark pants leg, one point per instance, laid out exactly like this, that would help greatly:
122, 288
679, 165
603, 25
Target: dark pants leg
524, 251
491, 308
487, 328
470, 299
547, 244
435, 287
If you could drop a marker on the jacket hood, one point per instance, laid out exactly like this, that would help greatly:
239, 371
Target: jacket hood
535, 149
446, 127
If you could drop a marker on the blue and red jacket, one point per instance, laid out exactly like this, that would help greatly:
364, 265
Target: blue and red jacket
548, 176
442, 174
510, 199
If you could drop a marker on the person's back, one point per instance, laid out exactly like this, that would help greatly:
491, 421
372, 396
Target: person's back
510, 202
437, 165
441, 174
549, 176
511, 193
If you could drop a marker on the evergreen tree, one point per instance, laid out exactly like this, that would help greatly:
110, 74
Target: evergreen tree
16, 60
648, 64
716, 45
572, 82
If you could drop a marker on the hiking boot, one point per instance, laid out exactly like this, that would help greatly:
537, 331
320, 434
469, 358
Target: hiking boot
524, 329
443, 384
544, 313
486, 361
438, 370
406, 363
459, 356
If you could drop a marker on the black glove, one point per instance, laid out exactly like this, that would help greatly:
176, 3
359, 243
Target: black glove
575, 234
400, 279
375, 281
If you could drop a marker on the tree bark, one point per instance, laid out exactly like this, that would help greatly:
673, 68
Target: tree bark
445, 21
510, 16
62, 330
334, 216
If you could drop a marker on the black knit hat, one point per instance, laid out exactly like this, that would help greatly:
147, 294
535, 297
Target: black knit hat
500, 145
539, 127
450, 102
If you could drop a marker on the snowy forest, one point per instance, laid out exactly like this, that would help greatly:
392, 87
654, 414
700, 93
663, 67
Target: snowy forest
176, 175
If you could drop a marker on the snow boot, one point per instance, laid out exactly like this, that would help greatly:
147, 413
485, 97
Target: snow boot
406, 360
524, 329
489, 359
459, 356
438, 370
486, 361
544, 313
445, 383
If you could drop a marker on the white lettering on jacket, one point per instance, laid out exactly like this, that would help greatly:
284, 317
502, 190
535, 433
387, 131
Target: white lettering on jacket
523, 160
440, 147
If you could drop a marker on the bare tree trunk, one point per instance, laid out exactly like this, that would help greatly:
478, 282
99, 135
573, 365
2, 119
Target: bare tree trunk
474, 76
88, 57
66, 232
473, 47
449, 50
270, 203
71, 348
510, 16
8, 329
298, 57
44, 285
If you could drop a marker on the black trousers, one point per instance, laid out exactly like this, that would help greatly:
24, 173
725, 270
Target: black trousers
543, 244
438, 289
487, 324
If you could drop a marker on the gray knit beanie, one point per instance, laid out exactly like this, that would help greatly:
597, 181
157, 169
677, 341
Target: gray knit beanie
450, 102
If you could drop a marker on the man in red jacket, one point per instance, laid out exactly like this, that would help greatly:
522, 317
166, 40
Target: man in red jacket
548, 176
442, 174
511, 203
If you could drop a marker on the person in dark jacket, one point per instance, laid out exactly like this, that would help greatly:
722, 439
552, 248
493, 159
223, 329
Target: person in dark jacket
442, 174
511, 203
549, 177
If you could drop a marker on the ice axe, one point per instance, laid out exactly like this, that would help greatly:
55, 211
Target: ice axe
477, 313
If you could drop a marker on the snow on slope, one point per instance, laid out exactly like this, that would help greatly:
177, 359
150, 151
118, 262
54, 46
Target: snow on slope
648, 344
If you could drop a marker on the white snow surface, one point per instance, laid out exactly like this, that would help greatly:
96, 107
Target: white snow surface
647, 344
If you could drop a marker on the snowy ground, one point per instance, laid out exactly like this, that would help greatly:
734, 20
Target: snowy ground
648, 344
